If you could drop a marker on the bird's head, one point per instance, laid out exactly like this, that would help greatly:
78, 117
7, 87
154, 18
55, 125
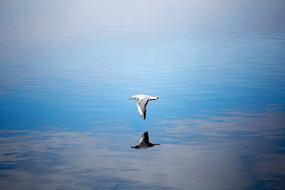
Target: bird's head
132, 98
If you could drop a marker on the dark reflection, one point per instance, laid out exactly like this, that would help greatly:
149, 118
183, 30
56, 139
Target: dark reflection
144, 142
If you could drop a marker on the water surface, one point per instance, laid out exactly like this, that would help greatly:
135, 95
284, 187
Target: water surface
68, 68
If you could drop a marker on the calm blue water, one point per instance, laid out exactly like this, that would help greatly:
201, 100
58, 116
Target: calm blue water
68, 68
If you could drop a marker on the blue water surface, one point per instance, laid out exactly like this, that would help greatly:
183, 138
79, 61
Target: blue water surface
68, 68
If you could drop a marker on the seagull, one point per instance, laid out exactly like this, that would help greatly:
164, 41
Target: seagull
142, 101
144, 142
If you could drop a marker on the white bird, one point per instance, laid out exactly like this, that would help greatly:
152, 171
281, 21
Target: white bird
142, 101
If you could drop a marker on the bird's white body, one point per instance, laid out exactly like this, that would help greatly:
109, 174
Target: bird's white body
142, 101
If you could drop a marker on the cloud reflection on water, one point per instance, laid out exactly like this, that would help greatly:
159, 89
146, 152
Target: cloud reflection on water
233, 151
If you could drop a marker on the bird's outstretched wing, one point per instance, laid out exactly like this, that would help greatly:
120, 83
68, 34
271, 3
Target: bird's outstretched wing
144, 138
141, 104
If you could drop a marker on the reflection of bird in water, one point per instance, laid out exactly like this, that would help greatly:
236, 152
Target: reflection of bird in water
144, 142
142, 101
